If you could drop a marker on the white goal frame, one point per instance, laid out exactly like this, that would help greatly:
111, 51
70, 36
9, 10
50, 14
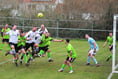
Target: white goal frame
114, 66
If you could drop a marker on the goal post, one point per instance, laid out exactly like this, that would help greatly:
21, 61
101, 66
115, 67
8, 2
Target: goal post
114, 57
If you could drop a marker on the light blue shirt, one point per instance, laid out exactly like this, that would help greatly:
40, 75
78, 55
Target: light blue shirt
91, 41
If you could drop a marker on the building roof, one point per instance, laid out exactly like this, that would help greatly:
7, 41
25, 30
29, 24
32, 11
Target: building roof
40, 1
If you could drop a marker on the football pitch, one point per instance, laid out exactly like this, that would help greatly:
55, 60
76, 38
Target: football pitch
42, 69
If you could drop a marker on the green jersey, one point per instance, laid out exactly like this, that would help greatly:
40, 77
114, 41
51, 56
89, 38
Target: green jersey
45, 41
110, 40
22, 41
5, 30
70, 48
48, 41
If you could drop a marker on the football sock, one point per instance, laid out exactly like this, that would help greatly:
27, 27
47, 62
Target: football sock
88, 59
110, 56
22, 56
30, 54
15, 59
12, 51
49, 55
25, 56
37, 50
8, 47
70, 68
95, 61
63, 66
41, 52
1, 47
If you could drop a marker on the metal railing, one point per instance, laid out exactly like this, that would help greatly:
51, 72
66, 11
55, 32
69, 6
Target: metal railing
58, 28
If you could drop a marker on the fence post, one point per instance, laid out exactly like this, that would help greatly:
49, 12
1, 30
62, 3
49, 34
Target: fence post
23, 27
57, 33
93, 23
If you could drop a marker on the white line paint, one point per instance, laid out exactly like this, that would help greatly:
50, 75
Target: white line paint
110, 75
5, 61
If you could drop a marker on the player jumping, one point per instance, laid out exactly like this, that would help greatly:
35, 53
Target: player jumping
13, 40
45, 43
21, 47
30, 36
42, 30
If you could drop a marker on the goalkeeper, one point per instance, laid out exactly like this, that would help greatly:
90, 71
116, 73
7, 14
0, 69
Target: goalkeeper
109, 40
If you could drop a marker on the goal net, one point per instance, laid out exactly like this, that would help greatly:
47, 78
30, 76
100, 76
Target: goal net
115, 47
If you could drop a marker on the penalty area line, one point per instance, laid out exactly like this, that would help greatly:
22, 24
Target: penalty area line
1, 63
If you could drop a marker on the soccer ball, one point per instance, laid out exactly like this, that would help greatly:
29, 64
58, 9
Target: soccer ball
40, 15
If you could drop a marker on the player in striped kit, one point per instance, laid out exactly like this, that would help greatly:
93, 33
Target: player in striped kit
13, 40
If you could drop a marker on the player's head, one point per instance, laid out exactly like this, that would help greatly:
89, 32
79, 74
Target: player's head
22, 34
110, 34
47, 34
34, 29
14, 27
67, 41
87, 36
6, 26
20, 31
42, 27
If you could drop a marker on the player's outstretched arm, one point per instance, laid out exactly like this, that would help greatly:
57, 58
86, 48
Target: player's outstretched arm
7, 33
105, 44
55, 40
19, 41
28, 39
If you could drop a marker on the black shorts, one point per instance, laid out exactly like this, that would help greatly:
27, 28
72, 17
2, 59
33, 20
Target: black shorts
28, 45
15, 45
5, 40
111, 48
72, 59
21, 47
44, 48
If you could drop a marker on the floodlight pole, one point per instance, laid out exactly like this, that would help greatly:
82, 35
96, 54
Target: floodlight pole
57, 34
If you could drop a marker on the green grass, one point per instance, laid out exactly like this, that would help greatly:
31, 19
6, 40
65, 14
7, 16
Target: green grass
41, 69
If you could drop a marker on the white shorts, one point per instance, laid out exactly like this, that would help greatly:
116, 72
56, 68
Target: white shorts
92, 51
